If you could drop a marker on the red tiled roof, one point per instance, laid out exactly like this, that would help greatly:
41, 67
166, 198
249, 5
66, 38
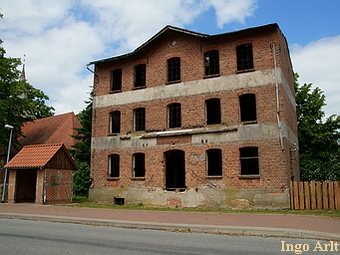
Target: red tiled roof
36, 156
54, 129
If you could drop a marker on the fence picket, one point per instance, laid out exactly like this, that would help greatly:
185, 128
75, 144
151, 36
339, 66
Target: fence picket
315, 195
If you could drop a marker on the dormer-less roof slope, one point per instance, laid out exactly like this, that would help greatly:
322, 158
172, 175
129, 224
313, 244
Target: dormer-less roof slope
54, 129
170, 29
38, 156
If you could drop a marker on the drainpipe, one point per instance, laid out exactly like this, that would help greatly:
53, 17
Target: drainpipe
277, 98
44, 187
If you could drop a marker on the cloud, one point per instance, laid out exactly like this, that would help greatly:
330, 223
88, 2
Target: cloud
60, 37
317, 63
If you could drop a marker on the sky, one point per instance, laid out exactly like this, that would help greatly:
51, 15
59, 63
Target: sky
57, 39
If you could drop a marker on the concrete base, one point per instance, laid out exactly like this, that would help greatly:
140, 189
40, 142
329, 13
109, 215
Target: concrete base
191, 198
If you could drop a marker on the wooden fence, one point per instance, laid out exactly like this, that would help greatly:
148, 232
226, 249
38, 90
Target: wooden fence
315, 195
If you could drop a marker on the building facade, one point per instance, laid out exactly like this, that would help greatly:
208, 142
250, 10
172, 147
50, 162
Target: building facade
196, 120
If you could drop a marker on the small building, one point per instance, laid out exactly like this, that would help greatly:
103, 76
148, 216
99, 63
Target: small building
196, 120
41, 174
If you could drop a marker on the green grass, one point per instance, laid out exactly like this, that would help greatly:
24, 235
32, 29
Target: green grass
79, 201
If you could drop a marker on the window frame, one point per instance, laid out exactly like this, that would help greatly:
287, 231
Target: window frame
116, 80
245, 57
210, 107
138, 165
174, 115
114, 166
174, 70
115, 122
139, 76
211, 63
139, 116
249, 162
214, 162
248, 111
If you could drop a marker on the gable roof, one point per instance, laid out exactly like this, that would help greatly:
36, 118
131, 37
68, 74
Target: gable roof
171, 29
54, 129
37, 156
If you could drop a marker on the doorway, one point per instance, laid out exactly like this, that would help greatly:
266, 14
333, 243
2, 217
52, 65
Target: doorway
175, 170
26, 186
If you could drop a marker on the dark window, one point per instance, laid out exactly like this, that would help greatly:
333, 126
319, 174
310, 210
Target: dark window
214, 162
174, 69
114, 165
248, 107
140, 76
115, 122
139, 165
211, 62
213, 108
116, 80
249, 161
244, 57
139, 116
174, 115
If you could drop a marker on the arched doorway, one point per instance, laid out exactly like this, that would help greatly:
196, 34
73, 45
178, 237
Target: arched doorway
175, 170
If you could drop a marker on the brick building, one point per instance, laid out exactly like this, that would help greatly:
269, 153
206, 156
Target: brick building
196, 120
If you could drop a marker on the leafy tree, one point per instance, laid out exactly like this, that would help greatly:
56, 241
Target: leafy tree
81, 151
19, 100
318, 139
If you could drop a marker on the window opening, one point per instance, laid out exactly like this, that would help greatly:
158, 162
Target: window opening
139, 165
213, 108
115, 122
119, 201
244, 57
174, 69
214, 162
175, 170
174, 111
116, 80
249, 161
140, 76
211, 62
139, 119
248, 107
114, 165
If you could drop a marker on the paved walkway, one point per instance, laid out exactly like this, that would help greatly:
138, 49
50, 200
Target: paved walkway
229, 223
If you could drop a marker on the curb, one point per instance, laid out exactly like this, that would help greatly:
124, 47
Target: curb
211, 229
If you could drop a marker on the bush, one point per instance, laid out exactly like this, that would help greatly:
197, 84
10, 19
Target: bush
82, 180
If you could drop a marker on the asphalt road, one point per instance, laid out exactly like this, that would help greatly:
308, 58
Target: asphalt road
35, 237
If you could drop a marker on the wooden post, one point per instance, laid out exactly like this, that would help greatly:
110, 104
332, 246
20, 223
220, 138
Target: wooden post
307, 196
313, 195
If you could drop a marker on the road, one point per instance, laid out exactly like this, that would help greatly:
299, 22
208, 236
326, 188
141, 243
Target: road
35, 237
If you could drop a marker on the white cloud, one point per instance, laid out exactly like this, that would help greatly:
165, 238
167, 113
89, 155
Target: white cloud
317, 63
61, 37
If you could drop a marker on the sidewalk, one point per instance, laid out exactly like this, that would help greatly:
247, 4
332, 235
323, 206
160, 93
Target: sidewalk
228, 223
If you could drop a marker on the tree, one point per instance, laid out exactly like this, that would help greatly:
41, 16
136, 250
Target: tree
318, 139
19, 101
81, 151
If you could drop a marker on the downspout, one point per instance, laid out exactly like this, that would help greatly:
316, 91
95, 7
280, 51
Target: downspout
44, 187
277, 98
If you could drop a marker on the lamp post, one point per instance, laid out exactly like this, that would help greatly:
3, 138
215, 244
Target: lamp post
7, 126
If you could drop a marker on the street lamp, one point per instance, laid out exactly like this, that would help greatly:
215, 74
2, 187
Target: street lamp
7, 126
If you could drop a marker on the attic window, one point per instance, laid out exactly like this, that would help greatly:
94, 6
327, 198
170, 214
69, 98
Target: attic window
140, 76
244, 57
211, 63
174, 70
